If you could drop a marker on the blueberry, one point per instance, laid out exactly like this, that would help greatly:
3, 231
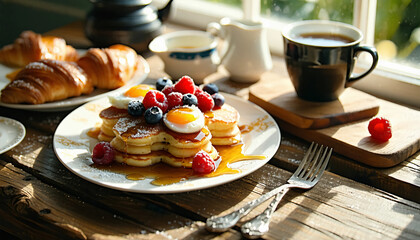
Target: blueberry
153, 115
189, 99
162, 82
135, 108
218, 99
211, 88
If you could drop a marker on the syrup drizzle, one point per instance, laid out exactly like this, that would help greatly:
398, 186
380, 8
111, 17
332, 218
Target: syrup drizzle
164, 174
258, 125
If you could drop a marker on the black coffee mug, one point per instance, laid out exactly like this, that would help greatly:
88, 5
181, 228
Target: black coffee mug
320, 56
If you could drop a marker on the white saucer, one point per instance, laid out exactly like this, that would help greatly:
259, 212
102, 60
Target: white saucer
12, 133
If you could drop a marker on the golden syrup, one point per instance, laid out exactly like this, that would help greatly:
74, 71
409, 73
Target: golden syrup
258, 125
163, 174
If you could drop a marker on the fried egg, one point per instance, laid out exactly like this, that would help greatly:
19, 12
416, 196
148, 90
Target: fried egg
134, 93
185, 119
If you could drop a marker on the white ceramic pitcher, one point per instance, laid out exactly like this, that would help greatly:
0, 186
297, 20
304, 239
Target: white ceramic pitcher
245, 53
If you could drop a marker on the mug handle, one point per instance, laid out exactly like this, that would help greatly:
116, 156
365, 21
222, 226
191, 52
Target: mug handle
372, 51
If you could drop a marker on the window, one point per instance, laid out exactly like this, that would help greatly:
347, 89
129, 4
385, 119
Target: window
393, 26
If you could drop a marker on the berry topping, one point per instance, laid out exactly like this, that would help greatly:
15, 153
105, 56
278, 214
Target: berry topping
174, 99
189, 99
205, 102
103, 153
168, 89
135, 108
198, 90
211, 88
380, 129
202, 163
153, 115
219, 100
185, 85
163, 82
155, 98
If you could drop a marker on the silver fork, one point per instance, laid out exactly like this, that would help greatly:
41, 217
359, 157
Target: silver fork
306, 176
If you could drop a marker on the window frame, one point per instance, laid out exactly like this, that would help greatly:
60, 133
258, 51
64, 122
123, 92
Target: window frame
391, 81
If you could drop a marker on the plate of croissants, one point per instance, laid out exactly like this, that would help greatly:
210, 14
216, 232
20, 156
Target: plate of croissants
43, 73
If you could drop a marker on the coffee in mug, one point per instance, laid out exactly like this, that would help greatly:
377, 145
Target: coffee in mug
320, 57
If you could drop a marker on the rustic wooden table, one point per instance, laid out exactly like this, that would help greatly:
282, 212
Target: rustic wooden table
41, 199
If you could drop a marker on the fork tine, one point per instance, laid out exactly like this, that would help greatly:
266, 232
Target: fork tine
309, 173
304, 160
314, 170
325, 159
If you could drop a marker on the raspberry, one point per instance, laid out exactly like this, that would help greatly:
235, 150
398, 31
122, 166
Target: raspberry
202, 163
380, 129
198, 90
185, 85
174, 99
155, 98
205, 102
103, 153
168, 89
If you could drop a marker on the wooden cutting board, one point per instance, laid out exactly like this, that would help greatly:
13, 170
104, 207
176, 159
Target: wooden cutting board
279, 98
350, 138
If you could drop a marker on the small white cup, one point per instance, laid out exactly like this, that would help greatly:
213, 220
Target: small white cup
188, 52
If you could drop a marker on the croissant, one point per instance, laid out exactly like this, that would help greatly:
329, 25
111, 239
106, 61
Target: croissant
109, 68
30, 47
45, 81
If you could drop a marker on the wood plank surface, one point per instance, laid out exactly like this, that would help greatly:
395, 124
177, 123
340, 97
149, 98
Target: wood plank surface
45, 211
30, 201
333, 198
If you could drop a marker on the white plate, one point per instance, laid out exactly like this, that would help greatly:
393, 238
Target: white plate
71, 103
73, 148
12, 133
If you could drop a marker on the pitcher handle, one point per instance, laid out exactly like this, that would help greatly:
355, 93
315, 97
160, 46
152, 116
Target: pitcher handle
372, 51
215, 29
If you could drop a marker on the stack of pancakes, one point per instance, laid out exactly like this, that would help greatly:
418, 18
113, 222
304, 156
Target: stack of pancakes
140, 144
223, 125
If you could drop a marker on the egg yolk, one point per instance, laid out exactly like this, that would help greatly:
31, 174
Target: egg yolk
181, 116
138, 91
